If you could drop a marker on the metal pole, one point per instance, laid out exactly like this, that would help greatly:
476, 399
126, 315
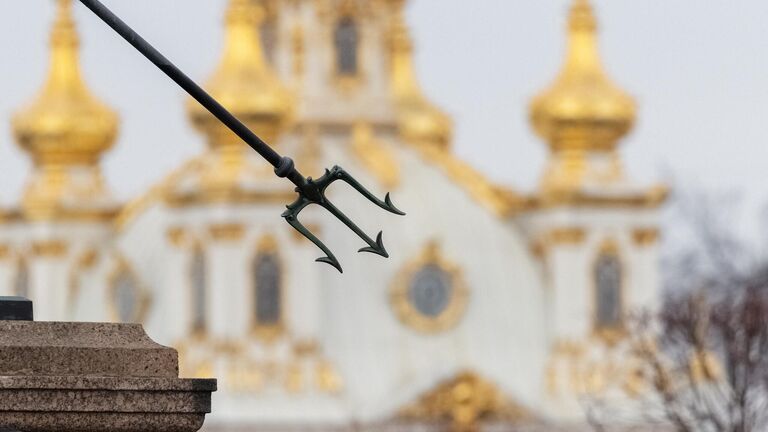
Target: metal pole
309, 191
284, 166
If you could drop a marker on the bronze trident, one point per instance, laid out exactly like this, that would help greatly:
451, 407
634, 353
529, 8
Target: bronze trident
310, 191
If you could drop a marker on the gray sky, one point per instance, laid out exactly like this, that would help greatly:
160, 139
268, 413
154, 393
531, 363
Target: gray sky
699, 70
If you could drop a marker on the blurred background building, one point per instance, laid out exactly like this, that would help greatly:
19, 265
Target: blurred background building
498, 305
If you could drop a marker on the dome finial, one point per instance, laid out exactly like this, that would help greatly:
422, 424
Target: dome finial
244, 82
64, 127
419, 121
583, 111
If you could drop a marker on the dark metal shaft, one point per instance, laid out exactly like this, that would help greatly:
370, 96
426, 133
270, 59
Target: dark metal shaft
284, 166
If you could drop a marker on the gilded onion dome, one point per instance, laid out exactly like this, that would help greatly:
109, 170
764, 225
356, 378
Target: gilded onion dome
65, 124
419, 121
65, 130
583, 109
244, 83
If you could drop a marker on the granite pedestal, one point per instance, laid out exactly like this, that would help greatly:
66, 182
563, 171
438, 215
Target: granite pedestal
84, 377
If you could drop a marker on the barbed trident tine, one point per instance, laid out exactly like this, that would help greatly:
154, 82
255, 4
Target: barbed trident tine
310, 191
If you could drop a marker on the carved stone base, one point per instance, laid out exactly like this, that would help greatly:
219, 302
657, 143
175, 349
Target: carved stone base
80, 377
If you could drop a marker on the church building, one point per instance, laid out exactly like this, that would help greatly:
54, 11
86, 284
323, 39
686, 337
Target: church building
498, 308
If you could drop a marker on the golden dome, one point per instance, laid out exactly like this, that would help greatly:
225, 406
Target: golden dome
419, 121
244, 83
583, 109
65, 125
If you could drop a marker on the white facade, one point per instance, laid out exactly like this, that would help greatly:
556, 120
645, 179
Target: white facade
485, 283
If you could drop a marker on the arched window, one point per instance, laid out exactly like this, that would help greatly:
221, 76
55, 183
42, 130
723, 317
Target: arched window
268, 33
21, 283
268, 289
608, 290
198, 275
347, 41
126, 295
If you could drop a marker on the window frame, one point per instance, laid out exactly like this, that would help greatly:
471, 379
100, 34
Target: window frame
143, 299
406, 311
267, 332
609, 333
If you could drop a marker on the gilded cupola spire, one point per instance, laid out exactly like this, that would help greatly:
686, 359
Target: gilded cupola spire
65, 130
419, 121
583, 114
244, 82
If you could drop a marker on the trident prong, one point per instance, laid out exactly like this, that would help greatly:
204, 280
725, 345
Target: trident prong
310, 191
313, 192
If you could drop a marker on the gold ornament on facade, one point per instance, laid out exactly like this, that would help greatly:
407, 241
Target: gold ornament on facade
402, 301
5, 251
65, 127
646, 236
375, 155
298, 51
583, 111
465, 401
327, 379
244, 83
419, 121
566, 195
50, 249
227, 232
294, 378
594, 369
244, 371
500, 201
179, 237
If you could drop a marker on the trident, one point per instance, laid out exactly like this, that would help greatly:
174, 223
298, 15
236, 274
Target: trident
309, 191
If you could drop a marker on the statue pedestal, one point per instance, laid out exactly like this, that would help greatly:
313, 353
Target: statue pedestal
84, 377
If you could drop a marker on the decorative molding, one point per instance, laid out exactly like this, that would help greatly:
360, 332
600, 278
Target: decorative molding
326, 378
565, 236
50, 248
243, 370
88, 259
294, 378
178, 236
298, 50
650, 199
227, 232
500, 201
131, 211
404, 308
5, 251
578, 368
646, 236
375, 155
465, 401
235, 196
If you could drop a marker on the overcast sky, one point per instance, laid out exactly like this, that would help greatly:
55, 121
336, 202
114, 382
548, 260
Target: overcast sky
699, 70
